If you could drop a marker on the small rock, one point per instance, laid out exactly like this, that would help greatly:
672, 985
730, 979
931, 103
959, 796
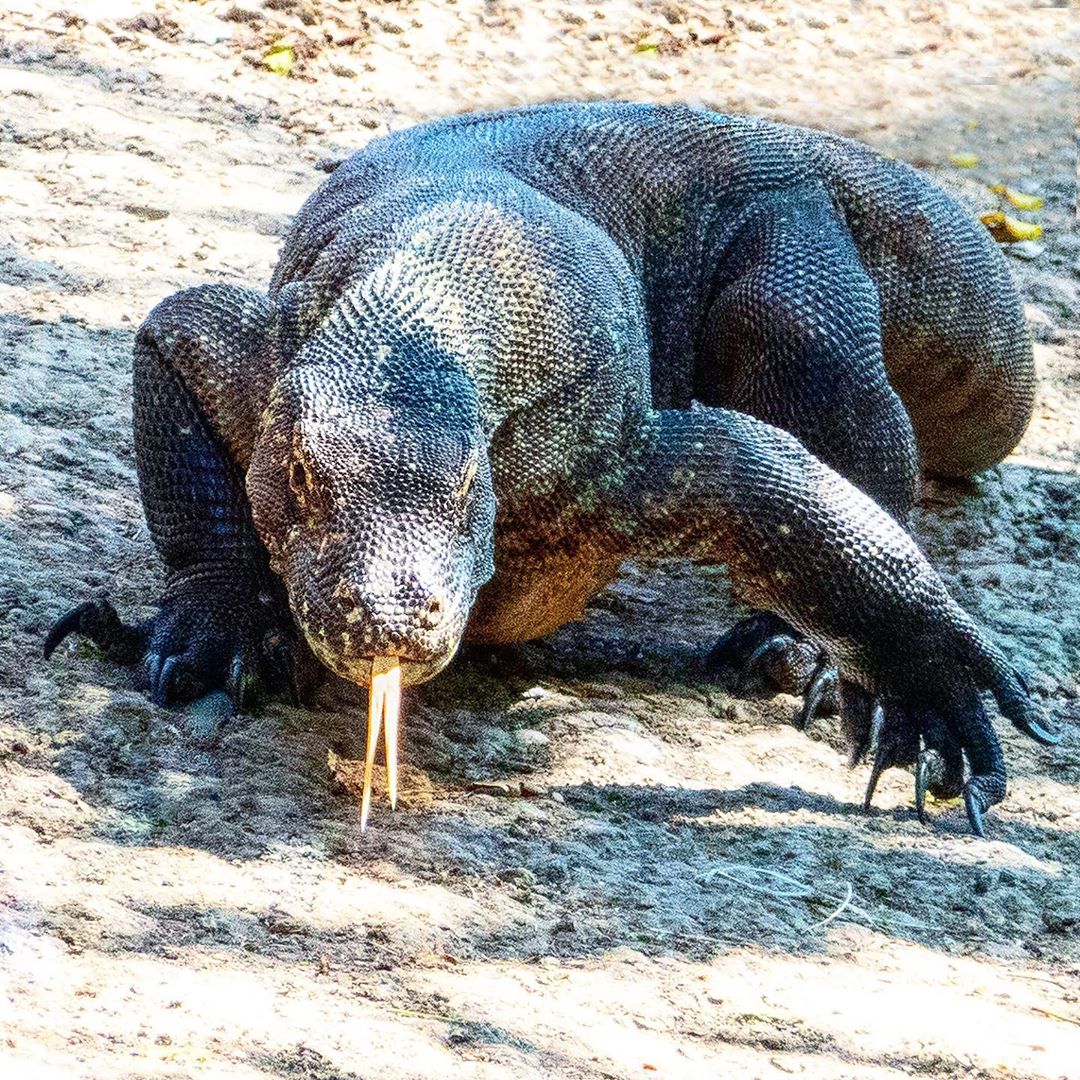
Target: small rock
146, 213
532, 737
207, 716
482, 787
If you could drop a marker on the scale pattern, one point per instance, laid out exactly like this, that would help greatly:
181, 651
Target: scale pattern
501, 353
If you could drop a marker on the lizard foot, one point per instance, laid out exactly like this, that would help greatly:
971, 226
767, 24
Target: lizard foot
939, 739
204, 637
762, 653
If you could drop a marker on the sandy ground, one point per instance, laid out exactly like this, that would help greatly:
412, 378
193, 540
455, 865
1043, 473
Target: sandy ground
603, 866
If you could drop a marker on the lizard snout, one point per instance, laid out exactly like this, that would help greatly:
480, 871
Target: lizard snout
399, 616
413, 603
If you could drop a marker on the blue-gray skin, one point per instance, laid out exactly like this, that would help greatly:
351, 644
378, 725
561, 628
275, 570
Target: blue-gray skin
501, 353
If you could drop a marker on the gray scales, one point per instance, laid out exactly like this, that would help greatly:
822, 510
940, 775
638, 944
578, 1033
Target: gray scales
501, 353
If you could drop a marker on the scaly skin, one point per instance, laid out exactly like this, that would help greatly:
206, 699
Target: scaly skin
501, 353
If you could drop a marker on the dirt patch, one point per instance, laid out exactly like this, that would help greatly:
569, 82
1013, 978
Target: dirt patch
602, 865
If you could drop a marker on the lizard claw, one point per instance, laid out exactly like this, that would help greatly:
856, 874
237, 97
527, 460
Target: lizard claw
824, 681
242, 684
975, 803
763, 658
871, 786
764, 653
922, 778
935, 739
97, 619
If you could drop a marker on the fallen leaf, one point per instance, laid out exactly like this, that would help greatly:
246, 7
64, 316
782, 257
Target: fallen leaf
1009, 230
1019, 199
280, 58
646, 47
964, 161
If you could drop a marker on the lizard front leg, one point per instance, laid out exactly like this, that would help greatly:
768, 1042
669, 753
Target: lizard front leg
801, 541
202, 366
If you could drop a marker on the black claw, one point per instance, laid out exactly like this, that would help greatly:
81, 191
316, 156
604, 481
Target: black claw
1032, 727
154, 662
242, 685
177, 680
774, 646
973, 802
880, 765
1013, 697
166, 678
98, 620
823, 680
922, 781
65, 625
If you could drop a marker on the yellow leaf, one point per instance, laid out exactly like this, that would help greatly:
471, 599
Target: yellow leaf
280, 58
1019, 199
646, 47
964, 160
1022, 230
1008, 230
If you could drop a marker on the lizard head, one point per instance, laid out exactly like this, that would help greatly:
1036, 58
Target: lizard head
375, 502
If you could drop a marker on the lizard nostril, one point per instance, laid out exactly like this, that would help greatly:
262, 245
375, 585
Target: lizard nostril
434, 613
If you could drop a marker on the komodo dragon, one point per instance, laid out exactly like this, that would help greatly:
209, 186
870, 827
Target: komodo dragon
501, 353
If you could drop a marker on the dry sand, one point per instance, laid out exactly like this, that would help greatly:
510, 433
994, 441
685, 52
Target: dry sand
603, 866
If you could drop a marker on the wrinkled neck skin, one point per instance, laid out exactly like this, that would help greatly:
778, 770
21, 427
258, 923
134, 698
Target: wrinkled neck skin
371, 487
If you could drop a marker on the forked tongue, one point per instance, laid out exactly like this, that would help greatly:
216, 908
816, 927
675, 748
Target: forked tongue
384, 708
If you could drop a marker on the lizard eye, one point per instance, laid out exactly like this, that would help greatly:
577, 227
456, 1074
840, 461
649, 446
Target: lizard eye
299, 478
308, 494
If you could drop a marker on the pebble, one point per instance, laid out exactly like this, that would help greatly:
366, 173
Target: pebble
532, 737
207, 715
